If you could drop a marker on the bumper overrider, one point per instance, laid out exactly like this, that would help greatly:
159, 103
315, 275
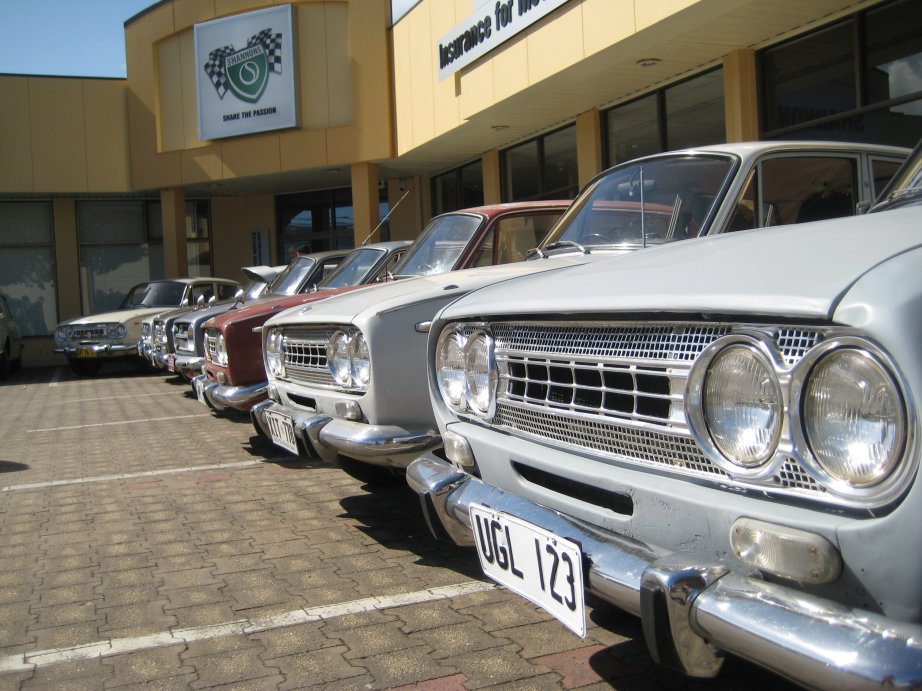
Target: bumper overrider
223, 396
693, 612
188, 365
326, 436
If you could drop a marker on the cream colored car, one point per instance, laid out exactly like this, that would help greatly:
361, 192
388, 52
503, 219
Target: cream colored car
90, 341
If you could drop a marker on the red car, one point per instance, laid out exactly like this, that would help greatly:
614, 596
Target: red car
233, 374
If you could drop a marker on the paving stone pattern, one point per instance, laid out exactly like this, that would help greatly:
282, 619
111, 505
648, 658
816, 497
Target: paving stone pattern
146, 542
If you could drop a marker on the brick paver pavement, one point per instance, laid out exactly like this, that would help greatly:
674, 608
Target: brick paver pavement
147, 543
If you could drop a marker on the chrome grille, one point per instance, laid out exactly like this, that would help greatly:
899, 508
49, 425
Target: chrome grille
183, 340
618, 389
305, 355
89, 331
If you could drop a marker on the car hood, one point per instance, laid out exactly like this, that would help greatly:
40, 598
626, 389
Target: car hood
124, 316
264, 307
797, 271
406, 291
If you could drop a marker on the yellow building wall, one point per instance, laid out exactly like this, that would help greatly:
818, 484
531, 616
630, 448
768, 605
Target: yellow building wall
236, 217
426, 108
63, 136
342, 86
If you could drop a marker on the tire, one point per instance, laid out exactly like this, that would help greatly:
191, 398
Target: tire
373, 475
84, 367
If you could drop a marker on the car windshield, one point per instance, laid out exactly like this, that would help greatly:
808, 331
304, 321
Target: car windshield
439, 246
289, 282
354, 268
155, 294
906, 186
648, 202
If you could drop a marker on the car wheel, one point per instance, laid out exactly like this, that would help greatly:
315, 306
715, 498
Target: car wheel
84, 367
374, 475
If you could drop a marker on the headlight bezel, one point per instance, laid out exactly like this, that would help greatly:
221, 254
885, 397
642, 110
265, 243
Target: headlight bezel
221, 357
695, 403
891, 484
793, 444
342, 353
458, 394
274, 353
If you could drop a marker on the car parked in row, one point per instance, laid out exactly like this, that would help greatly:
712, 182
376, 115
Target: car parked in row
347, 377
91, 340
232, 371
721, 437
157, 343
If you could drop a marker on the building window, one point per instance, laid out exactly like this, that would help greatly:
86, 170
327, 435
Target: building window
858, 80
27, 271
458, 189
687, 114
121, 245
323, 220
198, 238
541, 168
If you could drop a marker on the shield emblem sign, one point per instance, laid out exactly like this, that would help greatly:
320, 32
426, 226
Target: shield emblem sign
248, 73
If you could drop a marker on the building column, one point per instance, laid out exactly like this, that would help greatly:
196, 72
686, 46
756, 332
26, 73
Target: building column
66, 257
365, 197
173, 210
588, 145
741, 97
492, 187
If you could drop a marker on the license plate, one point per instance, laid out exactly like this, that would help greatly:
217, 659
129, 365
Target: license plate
171, 363
282, 431
530, 561
85, 352
200, 391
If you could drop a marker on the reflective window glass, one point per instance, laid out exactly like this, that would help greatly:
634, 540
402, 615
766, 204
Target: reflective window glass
27, 270
695, 112
632, 130
893, 35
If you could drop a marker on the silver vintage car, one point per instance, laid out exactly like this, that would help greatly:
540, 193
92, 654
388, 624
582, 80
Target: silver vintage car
721, 437
347, 377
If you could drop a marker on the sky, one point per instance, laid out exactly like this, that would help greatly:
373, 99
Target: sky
73, 38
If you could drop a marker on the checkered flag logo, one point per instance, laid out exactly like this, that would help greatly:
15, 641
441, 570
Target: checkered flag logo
272, 44
216, 67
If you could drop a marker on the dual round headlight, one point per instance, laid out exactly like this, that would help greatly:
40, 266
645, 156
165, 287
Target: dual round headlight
466, 372
274, 352
64, 333
840, 411
348, 359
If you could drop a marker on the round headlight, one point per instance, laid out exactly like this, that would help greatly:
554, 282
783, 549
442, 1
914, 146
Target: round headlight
480, 374
220, 352
742, 406
853, 417
60, 334
449, 367
274, 358
339, 359
361, 361
112, 330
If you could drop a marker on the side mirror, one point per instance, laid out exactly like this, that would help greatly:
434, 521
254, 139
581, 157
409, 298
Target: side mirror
212, 299
238, 296
200, 302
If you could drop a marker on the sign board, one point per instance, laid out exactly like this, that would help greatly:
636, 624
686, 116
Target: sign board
244, 73
487, 28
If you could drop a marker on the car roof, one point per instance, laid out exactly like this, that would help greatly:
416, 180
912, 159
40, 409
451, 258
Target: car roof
491, 210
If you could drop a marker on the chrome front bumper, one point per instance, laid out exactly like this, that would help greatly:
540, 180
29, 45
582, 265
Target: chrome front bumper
99, 349
693, 612
326, 436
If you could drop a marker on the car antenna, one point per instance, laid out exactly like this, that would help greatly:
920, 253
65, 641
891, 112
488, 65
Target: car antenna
387, 215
